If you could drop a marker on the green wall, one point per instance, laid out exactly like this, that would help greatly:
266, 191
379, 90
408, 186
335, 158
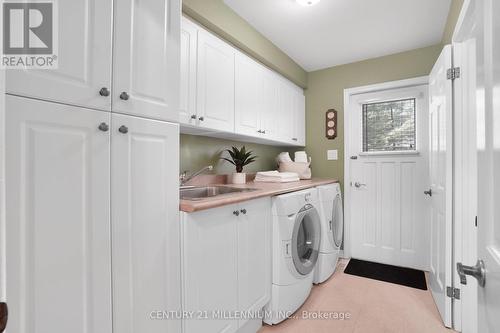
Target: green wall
221, 19
199, 151
326, 90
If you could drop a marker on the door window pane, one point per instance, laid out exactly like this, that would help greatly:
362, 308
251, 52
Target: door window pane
389, 126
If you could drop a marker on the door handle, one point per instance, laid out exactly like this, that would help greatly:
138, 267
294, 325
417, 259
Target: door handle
429, 192
4, 316
358, 184
478, 272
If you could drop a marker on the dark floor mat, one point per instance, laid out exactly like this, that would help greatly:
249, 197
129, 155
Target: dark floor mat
404, 276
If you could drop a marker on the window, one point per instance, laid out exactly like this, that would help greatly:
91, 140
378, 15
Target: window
389, 126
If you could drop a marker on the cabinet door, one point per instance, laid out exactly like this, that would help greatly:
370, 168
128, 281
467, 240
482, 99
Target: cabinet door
215, 88
270, 113
189, 44
300, 118
286, 130
254, 255
145, 224
84, 57
210, 272
248, 96
146, 58
57, 234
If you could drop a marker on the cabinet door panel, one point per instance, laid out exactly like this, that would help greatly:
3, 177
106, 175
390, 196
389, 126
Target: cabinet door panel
248, 96
189, 44
146, 58
300, 118
58, 238
84, 57
215, 97
210, 268
286, 130
270, 116
254, 255
145, 225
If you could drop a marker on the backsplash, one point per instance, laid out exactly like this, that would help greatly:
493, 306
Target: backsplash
199, 151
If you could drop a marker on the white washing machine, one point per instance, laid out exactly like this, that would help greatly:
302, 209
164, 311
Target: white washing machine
332, 230
296, 241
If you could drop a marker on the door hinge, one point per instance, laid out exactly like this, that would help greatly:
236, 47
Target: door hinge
453, 292
453, 73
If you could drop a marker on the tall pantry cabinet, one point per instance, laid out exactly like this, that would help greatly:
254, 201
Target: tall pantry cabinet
92, 149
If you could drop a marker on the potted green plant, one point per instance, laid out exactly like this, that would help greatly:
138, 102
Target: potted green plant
239, 158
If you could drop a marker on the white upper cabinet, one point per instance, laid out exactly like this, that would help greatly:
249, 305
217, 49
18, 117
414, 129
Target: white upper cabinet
57, 239
189, 45
248, 96
83, 77
215, 83
146, 58
224, 91
145, 224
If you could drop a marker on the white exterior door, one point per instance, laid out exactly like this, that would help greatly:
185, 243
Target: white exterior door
215, 88
189, 45
145, 224
85, 42
388, 173
441, 164
248, 96
57, 232
146, 58
254, 255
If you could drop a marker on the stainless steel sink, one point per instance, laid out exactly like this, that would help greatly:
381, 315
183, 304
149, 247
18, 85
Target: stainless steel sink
199, 193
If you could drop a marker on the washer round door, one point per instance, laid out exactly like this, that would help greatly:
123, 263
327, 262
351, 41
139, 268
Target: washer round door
336, 223
306, 239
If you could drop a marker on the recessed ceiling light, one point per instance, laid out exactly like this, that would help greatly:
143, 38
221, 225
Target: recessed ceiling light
307, 3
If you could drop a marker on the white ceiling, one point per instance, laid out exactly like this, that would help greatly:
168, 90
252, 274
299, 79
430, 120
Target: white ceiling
336, 32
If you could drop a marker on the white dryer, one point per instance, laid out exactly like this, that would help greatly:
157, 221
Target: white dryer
332, 230
296, 241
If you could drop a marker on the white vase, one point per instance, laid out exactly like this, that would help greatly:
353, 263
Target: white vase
239, 178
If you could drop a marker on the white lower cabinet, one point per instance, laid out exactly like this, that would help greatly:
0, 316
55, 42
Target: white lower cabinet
144, 221
226, 264
92, 230
58, 245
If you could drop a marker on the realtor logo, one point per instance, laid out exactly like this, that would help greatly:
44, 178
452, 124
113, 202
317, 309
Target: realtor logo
29, 35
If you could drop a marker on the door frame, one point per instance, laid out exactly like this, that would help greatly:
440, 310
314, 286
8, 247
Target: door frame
348, 93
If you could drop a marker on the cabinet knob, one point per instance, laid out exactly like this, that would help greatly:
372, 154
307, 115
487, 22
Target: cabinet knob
244, 211
103, 127
124, 96
201, 118
263, 132
104, 92
123, 129
193, 116
294, 139
236, 213
259, 131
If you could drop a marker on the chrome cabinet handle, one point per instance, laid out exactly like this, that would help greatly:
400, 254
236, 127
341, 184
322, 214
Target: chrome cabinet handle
294, 139
236, 213
244, 211
358, 184
123, 129
124, 96
193, 116
201, 118
104, 92
478, 272
429, 192
263, 132
259, 131
103, 127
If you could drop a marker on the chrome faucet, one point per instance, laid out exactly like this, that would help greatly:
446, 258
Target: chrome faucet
184, 178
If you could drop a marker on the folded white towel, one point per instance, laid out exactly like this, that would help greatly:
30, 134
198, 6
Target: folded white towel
276, 177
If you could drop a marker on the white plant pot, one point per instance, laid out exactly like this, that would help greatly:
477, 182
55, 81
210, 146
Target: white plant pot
239, 178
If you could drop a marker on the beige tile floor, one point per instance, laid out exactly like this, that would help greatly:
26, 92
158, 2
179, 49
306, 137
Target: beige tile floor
373, 306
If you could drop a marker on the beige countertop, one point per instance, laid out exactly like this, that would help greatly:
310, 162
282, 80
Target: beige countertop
262, 190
